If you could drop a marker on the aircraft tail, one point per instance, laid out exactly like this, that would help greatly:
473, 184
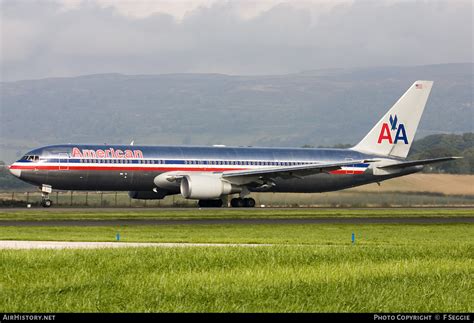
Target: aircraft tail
393, 134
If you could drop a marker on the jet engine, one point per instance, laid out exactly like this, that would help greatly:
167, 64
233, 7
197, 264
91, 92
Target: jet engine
205, 187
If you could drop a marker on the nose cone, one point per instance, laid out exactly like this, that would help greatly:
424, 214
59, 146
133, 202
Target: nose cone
15, 171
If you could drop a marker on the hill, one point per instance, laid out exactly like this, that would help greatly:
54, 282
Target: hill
321, 107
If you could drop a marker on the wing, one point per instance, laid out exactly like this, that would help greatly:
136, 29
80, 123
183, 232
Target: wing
256, 175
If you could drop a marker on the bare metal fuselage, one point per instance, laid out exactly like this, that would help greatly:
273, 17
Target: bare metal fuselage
58, 167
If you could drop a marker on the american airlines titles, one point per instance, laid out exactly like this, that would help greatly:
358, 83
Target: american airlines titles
105, 153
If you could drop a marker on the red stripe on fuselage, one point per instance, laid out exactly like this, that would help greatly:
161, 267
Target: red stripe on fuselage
347, 172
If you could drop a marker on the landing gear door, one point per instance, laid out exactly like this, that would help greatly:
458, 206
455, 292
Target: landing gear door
63, 161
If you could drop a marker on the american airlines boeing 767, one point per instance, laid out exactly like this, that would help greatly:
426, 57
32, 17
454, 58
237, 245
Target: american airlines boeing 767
208, 174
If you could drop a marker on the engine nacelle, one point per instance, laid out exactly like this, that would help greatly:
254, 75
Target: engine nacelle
205, 187
148, 195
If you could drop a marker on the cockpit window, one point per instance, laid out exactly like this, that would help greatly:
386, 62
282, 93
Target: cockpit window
30, 158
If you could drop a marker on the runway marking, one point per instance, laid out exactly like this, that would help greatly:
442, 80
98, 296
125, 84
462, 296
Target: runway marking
20, 244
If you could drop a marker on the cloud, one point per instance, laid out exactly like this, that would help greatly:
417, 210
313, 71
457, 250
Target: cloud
67, 38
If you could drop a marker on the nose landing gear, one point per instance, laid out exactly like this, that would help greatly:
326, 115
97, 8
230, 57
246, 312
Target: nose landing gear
46, 202
45, 191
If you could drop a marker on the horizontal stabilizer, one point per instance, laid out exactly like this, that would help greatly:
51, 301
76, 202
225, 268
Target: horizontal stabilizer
418, 162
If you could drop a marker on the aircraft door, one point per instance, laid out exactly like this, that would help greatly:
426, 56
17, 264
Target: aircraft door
63, 161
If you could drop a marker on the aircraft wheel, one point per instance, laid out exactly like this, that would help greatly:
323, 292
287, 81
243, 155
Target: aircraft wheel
249, 202
237, 202
46, 203
203, 203
210, 203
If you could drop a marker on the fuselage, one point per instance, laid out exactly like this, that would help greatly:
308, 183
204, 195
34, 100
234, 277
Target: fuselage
133, 168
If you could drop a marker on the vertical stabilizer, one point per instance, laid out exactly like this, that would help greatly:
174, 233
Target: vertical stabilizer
394, 133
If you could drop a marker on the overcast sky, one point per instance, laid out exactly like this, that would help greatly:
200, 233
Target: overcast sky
72, 37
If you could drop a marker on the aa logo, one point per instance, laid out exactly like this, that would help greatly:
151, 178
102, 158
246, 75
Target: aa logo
387, 131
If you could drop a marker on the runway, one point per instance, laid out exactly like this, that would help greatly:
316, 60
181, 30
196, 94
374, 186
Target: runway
17, 244
246, 221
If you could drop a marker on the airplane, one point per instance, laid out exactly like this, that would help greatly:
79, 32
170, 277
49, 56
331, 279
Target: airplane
208, 174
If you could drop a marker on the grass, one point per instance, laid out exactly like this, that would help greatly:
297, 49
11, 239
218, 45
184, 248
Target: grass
313, 234
183, 214
267, 279
309, 268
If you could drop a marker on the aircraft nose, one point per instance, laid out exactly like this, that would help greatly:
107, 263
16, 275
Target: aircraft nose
15, 171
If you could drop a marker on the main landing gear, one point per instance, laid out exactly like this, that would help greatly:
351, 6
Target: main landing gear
235, 202
240, 202
210, 203
45, 191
